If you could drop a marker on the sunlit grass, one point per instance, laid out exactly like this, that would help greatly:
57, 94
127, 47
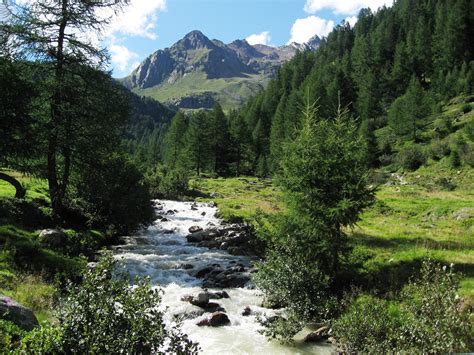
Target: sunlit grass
35, 188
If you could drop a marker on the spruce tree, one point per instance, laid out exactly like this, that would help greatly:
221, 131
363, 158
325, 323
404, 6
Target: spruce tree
175, 140
199, 142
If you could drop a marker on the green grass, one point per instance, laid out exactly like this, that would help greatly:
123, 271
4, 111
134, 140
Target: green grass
33, 292
409, 222
230, 92
35, 188
240, 198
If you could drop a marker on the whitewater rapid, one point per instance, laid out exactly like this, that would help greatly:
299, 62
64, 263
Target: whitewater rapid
161, 251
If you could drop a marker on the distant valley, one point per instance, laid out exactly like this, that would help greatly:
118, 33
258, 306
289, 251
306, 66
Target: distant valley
197, 72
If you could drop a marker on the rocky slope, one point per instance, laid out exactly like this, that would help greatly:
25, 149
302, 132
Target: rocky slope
196, 72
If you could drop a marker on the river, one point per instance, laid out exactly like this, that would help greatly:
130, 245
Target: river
160, 252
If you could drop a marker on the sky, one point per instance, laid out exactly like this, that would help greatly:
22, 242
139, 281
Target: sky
148, 25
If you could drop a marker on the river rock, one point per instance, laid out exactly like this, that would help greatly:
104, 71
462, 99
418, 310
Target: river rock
184, 266
218, 295
247, 311
216, 319
188, 315
194, 229
14, 312
52, 237
318, 335
198, 237
200, 300
213, 307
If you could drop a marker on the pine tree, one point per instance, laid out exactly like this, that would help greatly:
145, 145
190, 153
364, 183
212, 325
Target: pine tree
175, 140
220, 140
199, 142
240, 139
407, 113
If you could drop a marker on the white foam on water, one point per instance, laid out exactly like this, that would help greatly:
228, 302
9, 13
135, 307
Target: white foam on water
157, 252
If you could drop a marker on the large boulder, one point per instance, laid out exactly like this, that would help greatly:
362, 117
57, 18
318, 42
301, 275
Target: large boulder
200, 300
201, 236
216, 319
14, 312
52, 237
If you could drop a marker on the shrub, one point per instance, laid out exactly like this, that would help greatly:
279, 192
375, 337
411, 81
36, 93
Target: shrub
10, 336
438, 149
369, 325
105, 315
469, 129
427, 319
115, 195
466, 108
455, 159
411, 157
168, 183
436, 324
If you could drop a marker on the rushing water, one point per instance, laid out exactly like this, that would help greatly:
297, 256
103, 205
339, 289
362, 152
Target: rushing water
158, 252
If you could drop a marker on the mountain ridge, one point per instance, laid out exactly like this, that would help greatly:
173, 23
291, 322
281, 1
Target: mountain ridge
196, 72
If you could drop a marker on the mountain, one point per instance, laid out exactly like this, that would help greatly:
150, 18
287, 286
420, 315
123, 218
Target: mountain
197, 72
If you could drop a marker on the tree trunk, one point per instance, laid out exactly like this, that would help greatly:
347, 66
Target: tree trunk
56, 190
20, 190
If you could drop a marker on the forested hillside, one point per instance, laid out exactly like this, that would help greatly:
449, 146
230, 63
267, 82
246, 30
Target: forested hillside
335, 206
394, 70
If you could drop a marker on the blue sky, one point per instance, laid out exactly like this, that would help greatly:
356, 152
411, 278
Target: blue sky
148, 25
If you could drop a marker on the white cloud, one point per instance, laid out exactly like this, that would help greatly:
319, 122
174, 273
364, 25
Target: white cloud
351, 20
138, 19
121, 57
260, 38
347, 7
305, 28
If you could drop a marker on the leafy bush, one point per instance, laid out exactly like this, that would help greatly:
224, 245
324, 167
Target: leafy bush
411, 157
369, 325
292, 280
466, 108
427, 319
437, 149
165, 182
105, 315
115, 195
469, 129
10, 336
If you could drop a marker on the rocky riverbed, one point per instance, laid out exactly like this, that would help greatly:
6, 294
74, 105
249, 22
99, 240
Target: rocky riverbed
204, 267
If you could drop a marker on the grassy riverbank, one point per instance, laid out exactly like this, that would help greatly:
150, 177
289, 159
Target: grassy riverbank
428, 213
29, 270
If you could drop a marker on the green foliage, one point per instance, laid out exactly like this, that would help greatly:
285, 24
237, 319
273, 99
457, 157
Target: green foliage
166, 182
198, 142
10, 336
407, 113
427, 318
369, 325
105, 315
410, 157
325, 178
466, 108
115, 194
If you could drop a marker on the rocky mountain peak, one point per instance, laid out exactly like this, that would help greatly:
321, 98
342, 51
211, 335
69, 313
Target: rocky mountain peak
195, 40
195, 61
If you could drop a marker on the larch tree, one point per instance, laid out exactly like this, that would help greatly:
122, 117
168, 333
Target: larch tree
60, 35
